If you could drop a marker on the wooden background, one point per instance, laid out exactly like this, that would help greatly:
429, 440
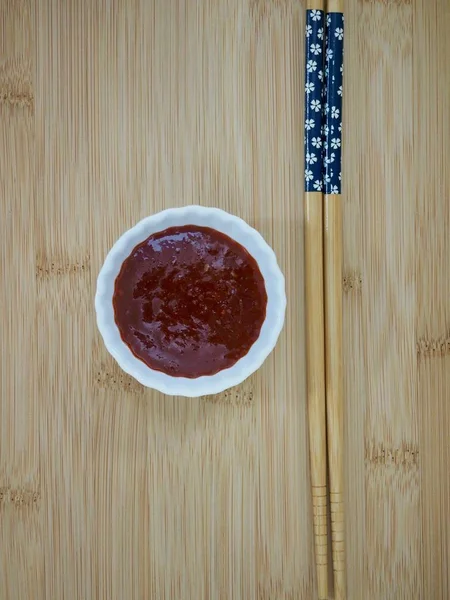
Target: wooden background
111, 110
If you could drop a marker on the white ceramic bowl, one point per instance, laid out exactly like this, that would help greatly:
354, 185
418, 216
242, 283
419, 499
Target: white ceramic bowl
245, 235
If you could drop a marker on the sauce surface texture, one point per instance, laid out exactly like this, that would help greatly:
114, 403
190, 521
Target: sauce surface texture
189, 301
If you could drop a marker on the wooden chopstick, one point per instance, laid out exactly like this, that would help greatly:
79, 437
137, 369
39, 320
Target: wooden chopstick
314, 283
333, 285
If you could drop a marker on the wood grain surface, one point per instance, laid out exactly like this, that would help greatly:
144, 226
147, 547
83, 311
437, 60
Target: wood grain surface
111, 110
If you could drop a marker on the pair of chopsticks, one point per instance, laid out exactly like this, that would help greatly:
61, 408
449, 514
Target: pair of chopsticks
323, 280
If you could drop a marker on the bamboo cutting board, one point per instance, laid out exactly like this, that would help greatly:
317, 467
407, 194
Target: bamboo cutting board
111, 110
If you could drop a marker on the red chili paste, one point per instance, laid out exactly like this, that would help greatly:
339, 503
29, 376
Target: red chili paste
189, 301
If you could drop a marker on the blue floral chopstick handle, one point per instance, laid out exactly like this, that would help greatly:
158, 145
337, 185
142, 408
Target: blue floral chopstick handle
332, 134
314, 83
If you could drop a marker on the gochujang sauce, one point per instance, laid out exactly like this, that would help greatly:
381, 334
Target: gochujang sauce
189, 301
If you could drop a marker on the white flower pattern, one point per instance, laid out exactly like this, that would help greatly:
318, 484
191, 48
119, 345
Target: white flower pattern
333, 123
314, 49
323, 103
310, 158
318, 185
